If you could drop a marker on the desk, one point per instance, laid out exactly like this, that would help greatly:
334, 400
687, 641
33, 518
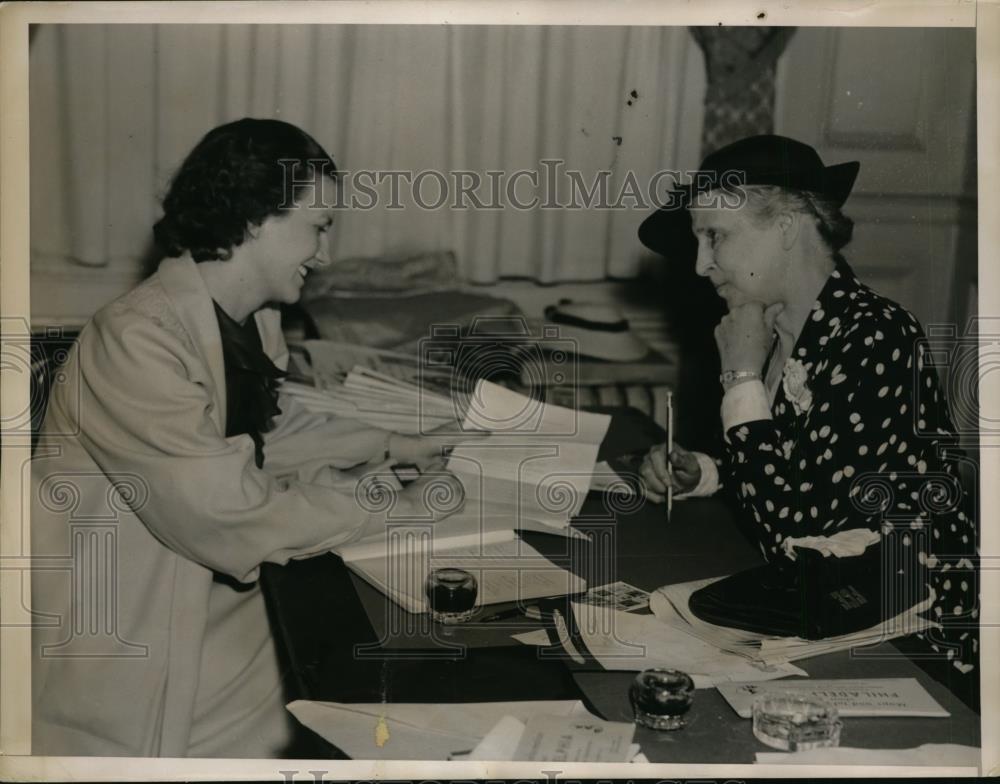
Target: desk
319, 621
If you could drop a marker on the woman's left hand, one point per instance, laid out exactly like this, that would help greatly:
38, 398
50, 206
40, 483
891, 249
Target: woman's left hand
429, 449
745, 334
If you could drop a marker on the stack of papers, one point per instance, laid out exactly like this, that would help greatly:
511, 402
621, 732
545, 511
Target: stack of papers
557, 730
531, 473
625, 641
378, 399
670, 605
330, 361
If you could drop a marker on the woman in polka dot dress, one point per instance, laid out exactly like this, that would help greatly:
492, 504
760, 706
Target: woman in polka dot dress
835, 429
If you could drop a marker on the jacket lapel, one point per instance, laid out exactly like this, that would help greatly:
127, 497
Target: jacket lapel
271, 337
192, 303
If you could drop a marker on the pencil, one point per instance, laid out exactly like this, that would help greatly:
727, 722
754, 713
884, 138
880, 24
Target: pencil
670, 448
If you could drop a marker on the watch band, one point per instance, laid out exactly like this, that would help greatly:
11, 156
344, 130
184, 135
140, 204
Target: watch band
730, 377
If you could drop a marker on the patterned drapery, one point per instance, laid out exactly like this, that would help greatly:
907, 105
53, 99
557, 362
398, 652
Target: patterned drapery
740, 65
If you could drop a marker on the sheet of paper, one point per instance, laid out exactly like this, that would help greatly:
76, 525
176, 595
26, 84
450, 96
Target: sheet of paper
506, 568
574, 739
626, 641
851, 697
606, 478
522, 520
530, 475
427, 731
937, 755
536, 637
431, 537
497, 409
538, 460
500, 742
464, 527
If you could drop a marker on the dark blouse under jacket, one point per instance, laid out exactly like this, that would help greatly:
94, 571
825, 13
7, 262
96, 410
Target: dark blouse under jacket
867, 451
251, 381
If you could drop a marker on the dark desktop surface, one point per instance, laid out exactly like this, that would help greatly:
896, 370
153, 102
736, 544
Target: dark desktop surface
342, 644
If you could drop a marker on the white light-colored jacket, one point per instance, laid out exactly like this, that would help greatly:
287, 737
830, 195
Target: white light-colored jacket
138, 496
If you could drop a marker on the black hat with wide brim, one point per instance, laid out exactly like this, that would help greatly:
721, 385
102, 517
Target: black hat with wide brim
756, 160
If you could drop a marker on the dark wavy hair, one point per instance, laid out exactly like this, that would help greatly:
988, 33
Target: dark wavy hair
234, 178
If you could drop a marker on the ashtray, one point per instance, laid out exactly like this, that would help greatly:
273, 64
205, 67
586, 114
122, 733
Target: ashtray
794, 723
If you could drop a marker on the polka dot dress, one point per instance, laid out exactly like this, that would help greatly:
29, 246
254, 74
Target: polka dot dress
865, 450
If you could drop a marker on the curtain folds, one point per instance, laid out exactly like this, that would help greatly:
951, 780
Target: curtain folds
115, 107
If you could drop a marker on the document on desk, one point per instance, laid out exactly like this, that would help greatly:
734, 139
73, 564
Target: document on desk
504, 741
506, 568
549, 738
537, 461
532, 473
425, 731
621, 640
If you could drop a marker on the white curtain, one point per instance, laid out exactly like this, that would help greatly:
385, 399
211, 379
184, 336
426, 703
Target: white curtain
114, 108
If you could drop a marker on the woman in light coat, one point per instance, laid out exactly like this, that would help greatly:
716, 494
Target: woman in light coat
170, 467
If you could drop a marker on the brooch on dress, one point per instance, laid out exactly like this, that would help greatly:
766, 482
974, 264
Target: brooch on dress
793, 381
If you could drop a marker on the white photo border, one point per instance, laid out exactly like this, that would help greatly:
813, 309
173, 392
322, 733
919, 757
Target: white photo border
15, 682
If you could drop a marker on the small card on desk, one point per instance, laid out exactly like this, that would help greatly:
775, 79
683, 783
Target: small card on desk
851, 697
618, 595
575, 739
